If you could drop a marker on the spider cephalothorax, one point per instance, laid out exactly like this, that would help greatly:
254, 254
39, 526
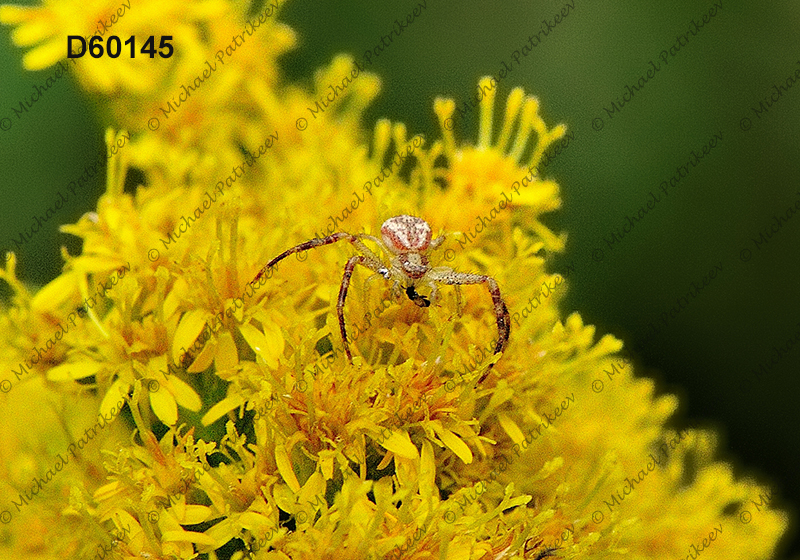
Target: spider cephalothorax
407, 242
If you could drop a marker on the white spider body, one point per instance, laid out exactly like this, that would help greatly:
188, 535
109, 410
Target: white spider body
409, 239
402, 234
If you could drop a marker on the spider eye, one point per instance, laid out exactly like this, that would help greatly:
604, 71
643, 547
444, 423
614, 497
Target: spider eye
384, 272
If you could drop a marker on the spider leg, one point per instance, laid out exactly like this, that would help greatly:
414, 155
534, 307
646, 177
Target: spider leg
367, 284
436, 296
438, 241
397, 293
375, 240
316, 242
451, 277
366, 262
459, 300
434, 293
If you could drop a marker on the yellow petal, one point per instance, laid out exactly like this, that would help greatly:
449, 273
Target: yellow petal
222, 408
187, 536
383, 490
176, 295
500, 395
164, 406
91, 264
184, 394
326, 458
123, 519
190, 327
72, 371
284, 498
313, 488
227, 357
427, 469
193, 514
55, 293
32, 32
285, 467
204, 358
459, 550
223, 532
108, 491
267, 345
452, 442
400, 444
43, 56
549, 468
511, 428
251, 519
10, 14
114, 400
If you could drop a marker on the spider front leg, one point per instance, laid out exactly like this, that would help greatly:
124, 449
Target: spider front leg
372, 264
367, 287
397, 292
317, 242
438, 241
451, 277
436, 296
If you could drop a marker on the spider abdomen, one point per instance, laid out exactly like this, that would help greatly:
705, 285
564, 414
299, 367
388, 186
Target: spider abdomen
406, 233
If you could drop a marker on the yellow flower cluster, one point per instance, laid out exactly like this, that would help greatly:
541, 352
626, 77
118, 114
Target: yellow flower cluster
232, 424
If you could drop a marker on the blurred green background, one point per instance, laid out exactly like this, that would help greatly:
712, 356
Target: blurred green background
708, 353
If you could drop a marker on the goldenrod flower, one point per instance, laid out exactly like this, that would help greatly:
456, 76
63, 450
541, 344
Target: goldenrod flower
211, 417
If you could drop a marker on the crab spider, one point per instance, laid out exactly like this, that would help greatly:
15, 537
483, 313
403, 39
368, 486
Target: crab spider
407, 240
